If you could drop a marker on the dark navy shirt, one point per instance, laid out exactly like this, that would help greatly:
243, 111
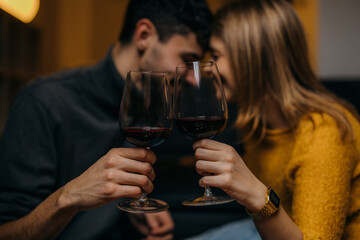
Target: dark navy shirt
58, 127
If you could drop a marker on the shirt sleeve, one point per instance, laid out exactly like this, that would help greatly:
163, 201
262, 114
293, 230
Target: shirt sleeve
322, 182
27, 158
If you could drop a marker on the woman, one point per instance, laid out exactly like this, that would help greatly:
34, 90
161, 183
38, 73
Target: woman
299, 139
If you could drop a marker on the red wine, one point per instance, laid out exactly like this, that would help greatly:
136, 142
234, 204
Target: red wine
146, 136
201, 127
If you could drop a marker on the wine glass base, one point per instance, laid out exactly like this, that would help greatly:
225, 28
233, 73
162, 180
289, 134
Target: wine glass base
205, 201
147, 206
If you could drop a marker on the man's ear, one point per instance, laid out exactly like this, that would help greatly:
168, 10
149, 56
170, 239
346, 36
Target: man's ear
145, 32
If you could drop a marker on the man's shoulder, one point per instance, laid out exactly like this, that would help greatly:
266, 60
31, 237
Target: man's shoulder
61, 80
64, 83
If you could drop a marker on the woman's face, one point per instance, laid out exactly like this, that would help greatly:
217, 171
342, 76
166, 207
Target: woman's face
222, 59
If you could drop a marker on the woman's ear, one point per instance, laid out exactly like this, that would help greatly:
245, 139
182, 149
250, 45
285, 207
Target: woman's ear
145, 33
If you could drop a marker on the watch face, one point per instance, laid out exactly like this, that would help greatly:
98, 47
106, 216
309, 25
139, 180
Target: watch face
274, 198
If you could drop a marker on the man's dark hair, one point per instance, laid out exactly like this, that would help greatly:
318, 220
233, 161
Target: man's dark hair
169, 17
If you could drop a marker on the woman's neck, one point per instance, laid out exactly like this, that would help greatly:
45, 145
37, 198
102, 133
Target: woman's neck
274, 115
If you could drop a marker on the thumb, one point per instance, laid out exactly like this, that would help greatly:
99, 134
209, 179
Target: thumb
152, 221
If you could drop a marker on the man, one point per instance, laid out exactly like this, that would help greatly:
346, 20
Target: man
61, 169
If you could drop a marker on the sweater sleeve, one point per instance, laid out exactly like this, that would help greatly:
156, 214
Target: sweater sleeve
27, 158
322, 180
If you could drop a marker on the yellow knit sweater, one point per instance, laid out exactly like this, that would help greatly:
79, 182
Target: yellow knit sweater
316, 175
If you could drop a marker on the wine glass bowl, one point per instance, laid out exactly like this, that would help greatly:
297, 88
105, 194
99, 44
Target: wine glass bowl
200, 111
201, 126
146, 137
145, 120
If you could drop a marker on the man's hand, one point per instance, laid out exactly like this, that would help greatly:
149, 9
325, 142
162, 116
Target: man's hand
155, 226
122, 172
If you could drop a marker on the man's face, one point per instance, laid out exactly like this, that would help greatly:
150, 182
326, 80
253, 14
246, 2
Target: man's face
164, 57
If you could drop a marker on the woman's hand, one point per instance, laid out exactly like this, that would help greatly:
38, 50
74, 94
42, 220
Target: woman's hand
230, 173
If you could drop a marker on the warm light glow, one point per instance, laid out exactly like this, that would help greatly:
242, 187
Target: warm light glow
24, 10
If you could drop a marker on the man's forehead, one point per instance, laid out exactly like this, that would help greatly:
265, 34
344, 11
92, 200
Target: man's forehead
185, 44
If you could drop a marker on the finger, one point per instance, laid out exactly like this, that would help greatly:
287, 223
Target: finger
138, 220
152, 221
162, 230
209, 144
125, 191
140, 154
144, 168
209, 155
164, 224
168, 236
214, 181
144, 230
133, 179
208, 167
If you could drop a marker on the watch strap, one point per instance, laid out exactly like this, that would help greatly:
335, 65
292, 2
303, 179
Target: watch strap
272, 204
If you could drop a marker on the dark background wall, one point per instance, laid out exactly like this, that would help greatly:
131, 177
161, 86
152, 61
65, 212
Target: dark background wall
339, 39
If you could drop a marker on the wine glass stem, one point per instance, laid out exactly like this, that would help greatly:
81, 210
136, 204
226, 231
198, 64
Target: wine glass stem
208, 192
143, 198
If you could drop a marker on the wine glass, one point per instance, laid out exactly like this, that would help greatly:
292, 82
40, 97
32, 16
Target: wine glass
146, 121
200, 111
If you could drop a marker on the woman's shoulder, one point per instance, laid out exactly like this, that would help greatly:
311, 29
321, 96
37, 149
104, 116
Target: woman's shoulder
315, 123
318, 141
318, 135
321, 130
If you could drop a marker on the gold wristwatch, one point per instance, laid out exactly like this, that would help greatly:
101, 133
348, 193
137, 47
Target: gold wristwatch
272, 204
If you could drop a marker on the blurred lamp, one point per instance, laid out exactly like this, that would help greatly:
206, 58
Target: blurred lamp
24, 10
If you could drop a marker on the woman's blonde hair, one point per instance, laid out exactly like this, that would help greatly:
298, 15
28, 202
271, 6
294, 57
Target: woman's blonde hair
268, 52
